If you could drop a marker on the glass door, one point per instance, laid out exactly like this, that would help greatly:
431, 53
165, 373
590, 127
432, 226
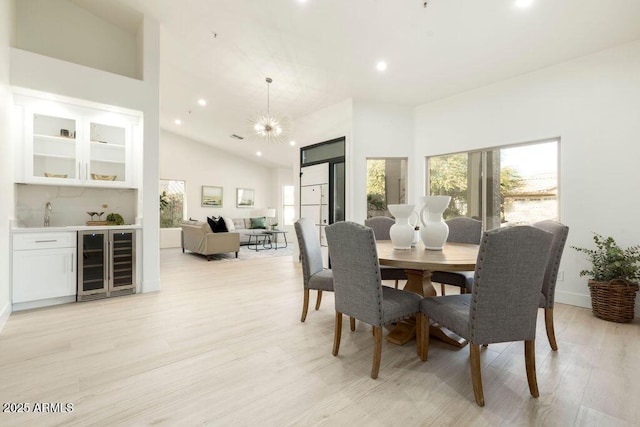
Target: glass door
55, 149
122, 266
92, 263
107, 152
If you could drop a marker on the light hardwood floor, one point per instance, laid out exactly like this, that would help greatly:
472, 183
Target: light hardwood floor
222, 344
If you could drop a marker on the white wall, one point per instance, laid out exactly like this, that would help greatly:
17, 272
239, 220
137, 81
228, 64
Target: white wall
379, 130
65, 26
200, 164
6, 156
593, 105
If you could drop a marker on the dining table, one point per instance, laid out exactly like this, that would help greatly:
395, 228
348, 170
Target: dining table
419, 263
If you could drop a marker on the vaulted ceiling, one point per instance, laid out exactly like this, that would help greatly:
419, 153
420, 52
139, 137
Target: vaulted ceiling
320, 52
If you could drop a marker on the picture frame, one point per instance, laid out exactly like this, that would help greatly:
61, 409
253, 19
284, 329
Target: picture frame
245, 197
211, 197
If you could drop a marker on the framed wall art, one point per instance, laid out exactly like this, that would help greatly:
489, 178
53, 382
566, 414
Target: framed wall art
245, 197
211, 197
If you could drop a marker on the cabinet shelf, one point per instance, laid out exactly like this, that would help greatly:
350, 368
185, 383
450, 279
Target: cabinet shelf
55, 156
62, 139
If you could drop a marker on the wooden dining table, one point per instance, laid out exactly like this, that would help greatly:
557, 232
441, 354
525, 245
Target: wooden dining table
419, 263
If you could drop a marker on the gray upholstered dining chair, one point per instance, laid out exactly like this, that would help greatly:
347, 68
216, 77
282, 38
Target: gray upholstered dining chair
358, 287
504, 302
461, 230
314, 275
560, 232
381, 226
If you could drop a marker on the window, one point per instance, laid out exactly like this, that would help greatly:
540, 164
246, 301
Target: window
288, 208
386, 185
503, 185
173, 206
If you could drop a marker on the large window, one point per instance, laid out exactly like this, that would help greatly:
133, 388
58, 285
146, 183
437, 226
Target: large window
386, 185
503, 185
173, 205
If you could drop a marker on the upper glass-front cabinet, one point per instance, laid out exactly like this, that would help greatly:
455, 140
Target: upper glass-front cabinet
65, 144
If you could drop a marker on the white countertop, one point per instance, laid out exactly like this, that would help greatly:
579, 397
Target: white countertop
74, 228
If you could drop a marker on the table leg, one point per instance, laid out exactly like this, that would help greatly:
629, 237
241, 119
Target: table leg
419, 282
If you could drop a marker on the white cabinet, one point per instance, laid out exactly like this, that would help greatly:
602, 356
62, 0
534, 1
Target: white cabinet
67, 144
44, 267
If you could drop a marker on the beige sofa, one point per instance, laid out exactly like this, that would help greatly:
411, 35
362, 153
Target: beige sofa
200, 239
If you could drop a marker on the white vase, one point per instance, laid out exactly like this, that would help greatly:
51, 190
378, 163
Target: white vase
434, 230
402, 231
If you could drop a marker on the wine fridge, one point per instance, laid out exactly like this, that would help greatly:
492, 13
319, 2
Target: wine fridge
106, 264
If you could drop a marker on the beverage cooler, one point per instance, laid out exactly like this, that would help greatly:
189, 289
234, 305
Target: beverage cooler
106, 264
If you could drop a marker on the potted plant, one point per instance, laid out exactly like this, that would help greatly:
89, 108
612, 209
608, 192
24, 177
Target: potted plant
613, 278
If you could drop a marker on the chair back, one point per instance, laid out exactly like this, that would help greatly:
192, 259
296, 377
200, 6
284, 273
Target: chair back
508, 279
310, 252
464, 230
560, 232
356, 272
381, 226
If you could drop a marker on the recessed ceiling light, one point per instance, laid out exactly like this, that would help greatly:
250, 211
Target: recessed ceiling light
258, 153
523, 3
292, 143
178, 122
202, 102
381, 66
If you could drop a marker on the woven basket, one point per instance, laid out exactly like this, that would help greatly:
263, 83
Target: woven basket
614, 300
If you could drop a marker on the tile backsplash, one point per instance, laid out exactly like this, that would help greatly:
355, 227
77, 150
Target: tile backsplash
71, 204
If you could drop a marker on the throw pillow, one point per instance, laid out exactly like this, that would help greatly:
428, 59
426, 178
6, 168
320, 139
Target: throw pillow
229, 223
258, 222
212, 224
221, 227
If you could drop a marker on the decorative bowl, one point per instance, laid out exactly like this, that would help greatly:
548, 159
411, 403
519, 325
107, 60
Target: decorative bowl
98, 177
55, 175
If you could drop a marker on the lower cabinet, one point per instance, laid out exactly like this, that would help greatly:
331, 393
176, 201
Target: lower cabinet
44, 268
106, 263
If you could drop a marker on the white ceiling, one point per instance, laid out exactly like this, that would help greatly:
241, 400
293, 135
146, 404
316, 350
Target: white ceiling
320, 52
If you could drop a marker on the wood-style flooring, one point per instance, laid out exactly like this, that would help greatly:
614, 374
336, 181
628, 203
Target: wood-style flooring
222, 344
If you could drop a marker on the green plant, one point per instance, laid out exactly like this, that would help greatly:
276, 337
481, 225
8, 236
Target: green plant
115, 218
609, 261
164, 201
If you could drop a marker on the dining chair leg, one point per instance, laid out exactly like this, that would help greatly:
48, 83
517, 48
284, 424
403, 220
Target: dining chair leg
337, 333
305, 305
422, 335
396, 283
318, 299
551, 333
352, 323
442, 289
530, 362
377, 351
476, 375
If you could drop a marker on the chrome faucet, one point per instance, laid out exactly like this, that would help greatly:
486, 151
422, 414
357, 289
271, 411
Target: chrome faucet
47, 212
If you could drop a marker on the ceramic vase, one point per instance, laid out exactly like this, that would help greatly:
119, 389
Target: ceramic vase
402, 231
434, 230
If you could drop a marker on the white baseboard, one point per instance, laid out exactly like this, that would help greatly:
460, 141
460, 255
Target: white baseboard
150, 286
5, 312
18, 306
582, 300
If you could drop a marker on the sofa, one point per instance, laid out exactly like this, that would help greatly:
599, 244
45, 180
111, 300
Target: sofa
243, 226
198, 238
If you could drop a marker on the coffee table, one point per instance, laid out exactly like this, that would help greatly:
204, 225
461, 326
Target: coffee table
273, 239
259, 237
